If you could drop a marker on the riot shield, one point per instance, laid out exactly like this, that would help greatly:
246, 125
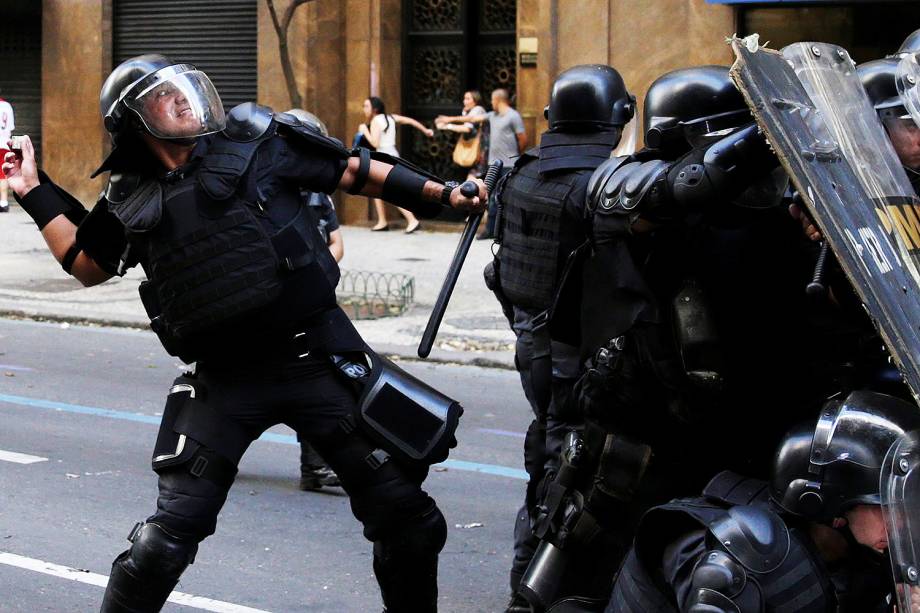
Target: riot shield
900, 492
813, 110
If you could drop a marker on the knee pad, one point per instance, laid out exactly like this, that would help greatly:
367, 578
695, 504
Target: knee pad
156, 553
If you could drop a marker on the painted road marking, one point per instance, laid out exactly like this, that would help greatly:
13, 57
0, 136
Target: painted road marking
20, 458
285, 439
84, 576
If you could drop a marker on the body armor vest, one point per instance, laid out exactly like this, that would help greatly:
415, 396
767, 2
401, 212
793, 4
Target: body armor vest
637, 590
216, 255
532, 209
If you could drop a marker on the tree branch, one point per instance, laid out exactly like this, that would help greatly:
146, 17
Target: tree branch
281, 29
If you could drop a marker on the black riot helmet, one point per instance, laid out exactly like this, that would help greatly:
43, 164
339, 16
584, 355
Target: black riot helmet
684, 106
169, 100
589, 97
910, 45
880, 80
820, 472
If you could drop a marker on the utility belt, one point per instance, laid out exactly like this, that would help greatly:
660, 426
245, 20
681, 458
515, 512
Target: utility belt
410, 421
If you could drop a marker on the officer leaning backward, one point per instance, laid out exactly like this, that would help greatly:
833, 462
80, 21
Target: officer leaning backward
209, 206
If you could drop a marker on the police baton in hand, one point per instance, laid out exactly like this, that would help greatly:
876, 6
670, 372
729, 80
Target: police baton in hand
468, 189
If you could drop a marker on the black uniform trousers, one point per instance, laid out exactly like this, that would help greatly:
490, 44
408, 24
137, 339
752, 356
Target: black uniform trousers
309, 395
544, 438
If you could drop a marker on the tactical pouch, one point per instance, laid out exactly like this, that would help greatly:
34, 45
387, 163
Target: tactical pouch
172, 448
197, 437
408, 418
172, 343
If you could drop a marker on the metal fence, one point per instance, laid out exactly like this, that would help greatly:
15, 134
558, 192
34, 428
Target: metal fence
369, 295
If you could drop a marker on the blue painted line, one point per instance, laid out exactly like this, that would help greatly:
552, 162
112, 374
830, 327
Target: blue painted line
519, 435
14, 367
285, 439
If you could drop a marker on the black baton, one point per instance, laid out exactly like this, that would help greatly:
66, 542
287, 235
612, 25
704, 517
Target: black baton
468, 189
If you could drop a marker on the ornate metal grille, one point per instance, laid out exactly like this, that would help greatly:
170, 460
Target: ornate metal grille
451, 46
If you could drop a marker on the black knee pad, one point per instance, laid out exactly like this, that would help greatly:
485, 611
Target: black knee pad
157, 554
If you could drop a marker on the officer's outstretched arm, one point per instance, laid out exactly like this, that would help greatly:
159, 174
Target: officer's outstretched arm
402, 186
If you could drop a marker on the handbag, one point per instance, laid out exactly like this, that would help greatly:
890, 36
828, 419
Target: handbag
466, 151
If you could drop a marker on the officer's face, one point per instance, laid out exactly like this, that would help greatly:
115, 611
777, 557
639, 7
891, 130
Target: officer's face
868, 526
168, 112
905, 136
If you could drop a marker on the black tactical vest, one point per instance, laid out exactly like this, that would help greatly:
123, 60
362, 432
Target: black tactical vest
216, 259
532, 209
795, 582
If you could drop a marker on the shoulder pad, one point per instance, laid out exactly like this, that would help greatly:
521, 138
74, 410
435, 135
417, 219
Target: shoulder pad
756, 537
248, 121
599, 179
528, 156
733, 489
121, 186
291, 126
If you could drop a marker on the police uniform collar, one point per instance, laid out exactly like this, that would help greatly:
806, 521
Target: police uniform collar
180, 172
132, 154
576, 150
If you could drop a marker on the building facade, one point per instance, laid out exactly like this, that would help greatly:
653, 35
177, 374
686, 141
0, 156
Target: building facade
419, 56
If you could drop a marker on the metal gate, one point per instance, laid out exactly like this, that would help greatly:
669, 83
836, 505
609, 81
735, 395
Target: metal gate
451, 46
219, 37
21, 78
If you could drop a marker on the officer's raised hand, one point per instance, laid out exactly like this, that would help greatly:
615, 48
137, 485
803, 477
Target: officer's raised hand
21, 171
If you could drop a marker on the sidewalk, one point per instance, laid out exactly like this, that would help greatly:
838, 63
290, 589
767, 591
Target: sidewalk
474, 331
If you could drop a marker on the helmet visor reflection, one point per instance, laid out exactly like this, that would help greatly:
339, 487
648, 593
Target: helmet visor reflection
185, 105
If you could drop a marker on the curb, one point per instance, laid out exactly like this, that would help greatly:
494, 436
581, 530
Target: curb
493, 359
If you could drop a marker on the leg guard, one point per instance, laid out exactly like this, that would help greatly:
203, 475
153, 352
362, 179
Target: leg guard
144, 575
406, 564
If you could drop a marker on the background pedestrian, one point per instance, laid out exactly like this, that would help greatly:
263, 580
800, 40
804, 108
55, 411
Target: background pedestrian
380, 131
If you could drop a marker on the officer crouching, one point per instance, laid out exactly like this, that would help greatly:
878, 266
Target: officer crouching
238, 281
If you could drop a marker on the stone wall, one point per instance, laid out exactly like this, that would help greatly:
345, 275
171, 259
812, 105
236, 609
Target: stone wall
640, 39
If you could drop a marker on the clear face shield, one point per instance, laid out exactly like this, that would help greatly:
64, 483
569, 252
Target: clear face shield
900, 490
177, 102
908, 80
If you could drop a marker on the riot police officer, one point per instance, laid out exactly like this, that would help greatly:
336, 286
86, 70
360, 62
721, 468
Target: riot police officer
694, 321
541, 227
209, 206
813, 538
879, 78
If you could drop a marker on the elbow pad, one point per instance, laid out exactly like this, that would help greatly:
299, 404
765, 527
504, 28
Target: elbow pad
723, 170
621, 185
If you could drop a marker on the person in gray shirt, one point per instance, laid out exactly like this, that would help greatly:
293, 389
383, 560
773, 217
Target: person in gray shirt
507, 140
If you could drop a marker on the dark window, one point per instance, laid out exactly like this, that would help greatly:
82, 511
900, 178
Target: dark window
867, 30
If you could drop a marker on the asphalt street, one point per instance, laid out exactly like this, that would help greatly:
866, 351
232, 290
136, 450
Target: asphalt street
79, 408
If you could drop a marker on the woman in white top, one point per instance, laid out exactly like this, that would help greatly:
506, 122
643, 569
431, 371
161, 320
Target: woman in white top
380, 131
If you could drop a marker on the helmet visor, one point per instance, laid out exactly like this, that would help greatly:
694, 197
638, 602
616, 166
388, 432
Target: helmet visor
908, 80
179, 103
